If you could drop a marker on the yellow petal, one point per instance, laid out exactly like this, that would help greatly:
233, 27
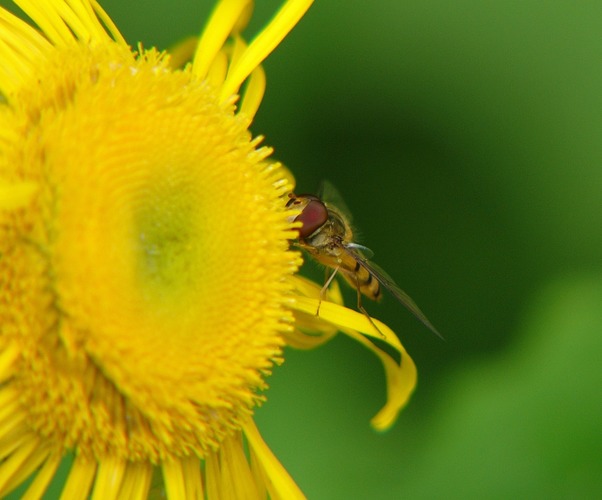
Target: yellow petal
222, 22
280, 485
136, 481
43, 477
253, 94
288, 16
109, 478
11, 467
173, 476
181, 53
401, 378
80, 479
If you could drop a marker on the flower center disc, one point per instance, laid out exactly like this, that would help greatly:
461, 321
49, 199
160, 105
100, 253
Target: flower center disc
160, 237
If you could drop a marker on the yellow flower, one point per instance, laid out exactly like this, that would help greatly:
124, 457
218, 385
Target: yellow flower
147, 285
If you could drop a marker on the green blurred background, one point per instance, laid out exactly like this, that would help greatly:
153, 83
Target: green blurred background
466, 138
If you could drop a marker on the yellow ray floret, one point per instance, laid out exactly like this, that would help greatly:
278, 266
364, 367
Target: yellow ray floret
400, 373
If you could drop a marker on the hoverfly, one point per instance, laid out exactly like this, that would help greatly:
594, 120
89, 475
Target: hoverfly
327, 236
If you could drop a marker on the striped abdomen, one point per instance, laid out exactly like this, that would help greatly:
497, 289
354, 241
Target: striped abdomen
359, 277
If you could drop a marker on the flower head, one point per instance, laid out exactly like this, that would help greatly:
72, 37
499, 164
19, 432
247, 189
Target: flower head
147, 285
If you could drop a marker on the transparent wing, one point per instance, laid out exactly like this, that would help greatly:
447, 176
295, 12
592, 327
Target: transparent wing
333, 199
363, 252
386, 281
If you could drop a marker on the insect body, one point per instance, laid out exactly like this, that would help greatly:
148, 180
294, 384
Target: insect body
327, 236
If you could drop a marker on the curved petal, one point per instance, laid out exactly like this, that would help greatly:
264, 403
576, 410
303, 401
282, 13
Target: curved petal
182, 52
223, 20
253, 94
401, 377
286, 18
343, 317
401, 382
279, 484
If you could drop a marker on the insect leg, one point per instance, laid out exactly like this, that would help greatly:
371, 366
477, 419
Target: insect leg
361, 307
325, 288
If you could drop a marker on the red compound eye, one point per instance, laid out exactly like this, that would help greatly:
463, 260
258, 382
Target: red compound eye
313, 217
